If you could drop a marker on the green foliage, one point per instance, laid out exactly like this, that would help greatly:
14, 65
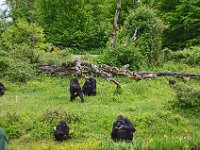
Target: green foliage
188, 95
22, 9
24, 35
143, 52
182, 18
149, 31
3, 25
54, 58
122, 55
75, 24
127, 6
38, 127
20, 64
190, 56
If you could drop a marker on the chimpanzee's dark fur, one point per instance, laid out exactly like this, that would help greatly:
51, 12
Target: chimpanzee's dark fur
172, 82
89, 87
2, 89
122, 129
61, 132
75, 90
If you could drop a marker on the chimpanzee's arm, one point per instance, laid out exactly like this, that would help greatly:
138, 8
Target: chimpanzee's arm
114, 132
128, 126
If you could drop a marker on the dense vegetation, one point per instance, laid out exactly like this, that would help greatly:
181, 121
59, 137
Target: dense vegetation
167, 39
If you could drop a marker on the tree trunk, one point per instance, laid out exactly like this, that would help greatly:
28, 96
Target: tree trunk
115, 25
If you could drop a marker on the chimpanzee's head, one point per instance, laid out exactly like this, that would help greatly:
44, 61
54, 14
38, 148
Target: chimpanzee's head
63, 123
120, 121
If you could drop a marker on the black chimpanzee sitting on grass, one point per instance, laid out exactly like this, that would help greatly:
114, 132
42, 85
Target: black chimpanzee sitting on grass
75, 90
89, 87
2, 89
61, 131
122, 129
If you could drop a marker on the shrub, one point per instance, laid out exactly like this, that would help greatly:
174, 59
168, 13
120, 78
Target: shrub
188, 95
145, 50
54, 58
149, 31
24, 34
190, 56
122, 55
18, 65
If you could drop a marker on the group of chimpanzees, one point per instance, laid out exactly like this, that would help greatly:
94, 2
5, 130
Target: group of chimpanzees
122, 129
88, 89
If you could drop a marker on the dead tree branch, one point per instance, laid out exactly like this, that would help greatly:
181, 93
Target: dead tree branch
120, 71
82, 68
145, 75
115, 25
93, 68
134, 37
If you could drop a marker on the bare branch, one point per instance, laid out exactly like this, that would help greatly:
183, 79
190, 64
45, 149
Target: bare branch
115, 25
134, 37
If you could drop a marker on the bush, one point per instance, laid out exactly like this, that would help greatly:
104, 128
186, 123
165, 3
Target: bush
146, 49
149, 31
18, 65
190, 56
188, 95
54, 58
24, 34
121, 56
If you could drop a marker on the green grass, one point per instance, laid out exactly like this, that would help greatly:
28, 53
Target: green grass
28, 113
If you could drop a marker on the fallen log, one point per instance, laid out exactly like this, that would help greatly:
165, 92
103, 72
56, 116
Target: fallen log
105, 71
78, 68
78, 65
145, 75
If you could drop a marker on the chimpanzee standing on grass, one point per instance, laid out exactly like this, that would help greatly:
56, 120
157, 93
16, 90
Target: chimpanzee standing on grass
89, 87
75, 90
2, 89
61, 131
122, 129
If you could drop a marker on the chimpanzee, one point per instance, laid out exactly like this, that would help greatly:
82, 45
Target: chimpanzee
2, 89
75, 90
172, 82
122, 129
61, 131
89, 87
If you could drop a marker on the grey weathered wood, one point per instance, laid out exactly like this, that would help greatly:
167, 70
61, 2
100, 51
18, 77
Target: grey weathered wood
82, 68
115, 25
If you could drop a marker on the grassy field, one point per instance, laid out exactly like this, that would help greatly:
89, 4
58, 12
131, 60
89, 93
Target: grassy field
28, 113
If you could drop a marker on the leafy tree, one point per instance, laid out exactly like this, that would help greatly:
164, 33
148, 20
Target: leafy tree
182, 18
127, 7
24, 34
74, 23
22, 9
145, 50
148, 29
